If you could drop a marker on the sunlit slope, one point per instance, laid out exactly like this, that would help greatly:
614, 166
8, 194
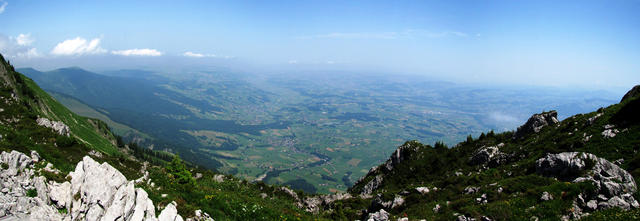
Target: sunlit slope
91, 132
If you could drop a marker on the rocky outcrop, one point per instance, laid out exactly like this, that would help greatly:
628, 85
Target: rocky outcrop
104, 193
372, 185
290, 192
609, 131
20, 194
400, 154
613, 185
313, 204
200, 216
379, 203
425, 190
95, 192
489, 156
57, 126
170, 213
380, 215
536, 123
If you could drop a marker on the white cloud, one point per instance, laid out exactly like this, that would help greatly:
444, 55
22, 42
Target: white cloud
31, 53
138, 52
24, 39
3, 6
199, 55
191, 54
78, 46
17, 47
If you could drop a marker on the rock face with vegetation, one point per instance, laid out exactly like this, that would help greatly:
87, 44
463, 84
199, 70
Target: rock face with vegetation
536, 123
612, 186
57, 126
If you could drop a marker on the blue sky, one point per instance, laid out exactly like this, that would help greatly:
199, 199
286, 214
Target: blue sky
593, 44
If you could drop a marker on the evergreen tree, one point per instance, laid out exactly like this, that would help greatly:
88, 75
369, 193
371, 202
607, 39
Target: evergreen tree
178, 172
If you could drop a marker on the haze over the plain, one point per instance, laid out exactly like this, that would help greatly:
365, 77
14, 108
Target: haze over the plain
588, 44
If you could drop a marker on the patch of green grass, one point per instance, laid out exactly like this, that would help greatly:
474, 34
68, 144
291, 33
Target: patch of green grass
32, 192
63, 211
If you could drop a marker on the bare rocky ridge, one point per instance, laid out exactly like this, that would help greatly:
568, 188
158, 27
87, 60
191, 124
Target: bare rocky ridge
94, 192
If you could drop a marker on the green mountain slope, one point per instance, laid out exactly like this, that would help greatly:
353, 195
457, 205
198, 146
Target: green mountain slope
497, 177
22, 102
85, 110
90, 132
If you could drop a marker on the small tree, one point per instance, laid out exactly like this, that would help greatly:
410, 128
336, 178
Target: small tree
469, 139
178, 172
440, 145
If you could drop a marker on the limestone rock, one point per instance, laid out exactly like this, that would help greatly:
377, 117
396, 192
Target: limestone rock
397, 201
381, 215
491, 156
423, 190
313, 204
290, 193
96, 192
170, 213
35, 156
614, 185
471, 190
609, 131
57, 126
372, 185
200, 216
60, 194
218, 178
536, 123
400, 154
436, 208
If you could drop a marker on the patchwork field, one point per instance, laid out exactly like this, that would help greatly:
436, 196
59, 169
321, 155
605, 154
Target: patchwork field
316, 132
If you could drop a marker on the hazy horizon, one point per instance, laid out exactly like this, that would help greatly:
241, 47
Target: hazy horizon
588, 45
